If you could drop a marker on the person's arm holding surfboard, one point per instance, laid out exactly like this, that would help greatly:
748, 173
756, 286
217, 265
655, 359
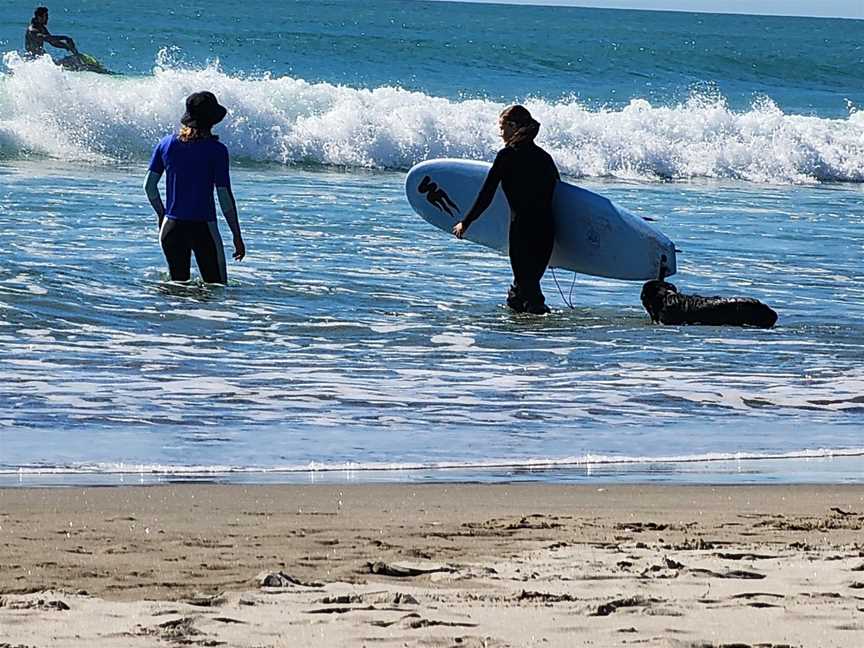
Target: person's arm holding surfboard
228, 204
484, 198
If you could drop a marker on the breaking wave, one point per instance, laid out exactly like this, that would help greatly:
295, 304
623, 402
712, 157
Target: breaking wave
46, 111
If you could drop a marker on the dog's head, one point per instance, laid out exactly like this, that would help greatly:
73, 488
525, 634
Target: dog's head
654, 295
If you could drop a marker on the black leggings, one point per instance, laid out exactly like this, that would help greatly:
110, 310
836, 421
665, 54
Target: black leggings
530, 251
180, 238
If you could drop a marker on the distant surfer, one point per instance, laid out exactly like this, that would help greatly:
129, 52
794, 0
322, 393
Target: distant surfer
529, 176
37, 35
196, 162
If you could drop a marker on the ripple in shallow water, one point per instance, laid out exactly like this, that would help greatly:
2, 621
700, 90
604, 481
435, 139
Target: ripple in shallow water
355, 332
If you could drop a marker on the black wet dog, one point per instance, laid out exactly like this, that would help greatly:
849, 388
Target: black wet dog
667, 306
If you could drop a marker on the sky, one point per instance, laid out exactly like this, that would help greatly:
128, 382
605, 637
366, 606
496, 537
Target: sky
824, 8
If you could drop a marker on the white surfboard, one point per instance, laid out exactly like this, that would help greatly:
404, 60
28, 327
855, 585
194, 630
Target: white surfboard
592, 235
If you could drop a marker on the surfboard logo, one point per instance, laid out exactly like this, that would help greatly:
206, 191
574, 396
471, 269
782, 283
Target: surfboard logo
437, 196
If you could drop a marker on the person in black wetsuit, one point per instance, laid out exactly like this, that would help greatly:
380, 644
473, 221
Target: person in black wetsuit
529, 177
37, 35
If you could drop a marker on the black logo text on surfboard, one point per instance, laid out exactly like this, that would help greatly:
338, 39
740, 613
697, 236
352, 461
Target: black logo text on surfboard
437, 196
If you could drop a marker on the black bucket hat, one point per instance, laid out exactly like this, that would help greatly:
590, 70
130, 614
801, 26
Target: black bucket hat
202, 110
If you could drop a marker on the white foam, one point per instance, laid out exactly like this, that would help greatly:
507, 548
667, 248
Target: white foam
80, 116
584, 461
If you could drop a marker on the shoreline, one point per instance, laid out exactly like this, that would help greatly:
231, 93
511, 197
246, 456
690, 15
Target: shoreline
808, 466
433, 564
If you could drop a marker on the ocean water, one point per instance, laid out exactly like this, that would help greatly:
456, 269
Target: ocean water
356, 342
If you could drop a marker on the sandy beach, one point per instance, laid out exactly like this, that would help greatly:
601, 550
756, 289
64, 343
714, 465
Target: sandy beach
432, 565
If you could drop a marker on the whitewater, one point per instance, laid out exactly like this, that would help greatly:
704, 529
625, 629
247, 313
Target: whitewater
287, 120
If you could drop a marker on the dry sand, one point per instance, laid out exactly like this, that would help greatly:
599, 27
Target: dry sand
432, 565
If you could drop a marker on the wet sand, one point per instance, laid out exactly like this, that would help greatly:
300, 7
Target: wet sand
432, 565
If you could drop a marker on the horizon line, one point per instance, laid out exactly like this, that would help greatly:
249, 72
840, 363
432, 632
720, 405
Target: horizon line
570, 4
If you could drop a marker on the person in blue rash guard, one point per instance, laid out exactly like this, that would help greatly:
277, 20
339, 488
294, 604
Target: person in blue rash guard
195, 162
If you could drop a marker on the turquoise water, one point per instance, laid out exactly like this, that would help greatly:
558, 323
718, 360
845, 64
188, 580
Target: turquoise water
359, 342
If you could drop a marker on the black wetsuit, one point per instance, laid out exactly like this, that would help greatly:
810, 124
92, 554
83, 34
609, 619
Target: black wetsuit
529, 176
181, 238
37, 35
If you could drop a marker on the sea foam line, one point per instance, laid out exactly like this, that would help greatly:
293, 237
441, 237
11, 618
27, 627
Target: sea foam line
94, 118
584, 461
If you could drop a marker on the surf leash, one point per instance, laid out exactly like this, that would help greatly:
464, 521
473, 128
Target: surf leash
567, 300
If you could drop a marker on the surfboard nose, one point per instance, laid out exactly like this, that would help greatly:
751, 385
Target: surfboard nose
414, 183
